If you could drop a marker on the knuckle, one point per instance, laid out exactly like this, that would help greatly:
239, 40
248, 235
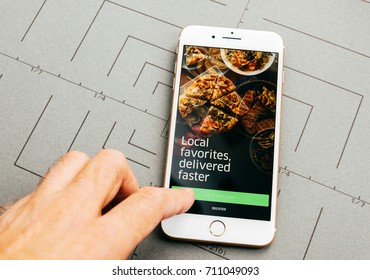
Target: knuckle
114, 154
153, 194
77, 155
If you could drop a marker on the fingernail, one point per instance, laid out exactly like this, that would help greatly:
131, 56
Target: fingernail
189, 191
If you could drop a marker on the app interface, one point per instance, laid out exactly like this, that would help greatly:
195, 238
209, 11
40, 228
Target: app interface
225, 131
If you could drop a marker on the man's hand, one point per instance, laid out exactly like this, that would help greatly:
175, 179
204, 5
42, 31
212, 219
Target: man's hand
62, 218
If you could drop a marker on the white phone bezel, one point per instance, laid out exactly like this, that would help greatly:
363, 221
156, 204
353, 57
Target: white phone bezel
197, 227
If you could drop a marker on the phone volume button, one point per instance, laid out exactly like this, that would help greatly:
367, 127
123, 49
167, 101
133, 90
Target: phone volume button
177, 47
174, 69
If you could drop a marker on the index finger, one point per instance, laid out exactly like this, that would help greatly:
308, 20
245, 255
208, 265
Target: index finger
106, 176
133, 219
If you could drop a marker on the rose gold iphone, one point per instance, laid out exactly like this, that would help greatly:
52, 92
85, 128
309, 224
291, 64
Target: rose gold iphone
224, 136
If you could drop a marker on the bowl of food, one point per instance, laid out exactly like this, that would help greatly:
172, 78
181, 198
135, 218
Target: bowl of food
261, 150
247, 63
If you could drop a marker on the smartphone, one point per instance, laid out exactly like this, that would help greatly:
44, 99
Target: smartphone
224, 135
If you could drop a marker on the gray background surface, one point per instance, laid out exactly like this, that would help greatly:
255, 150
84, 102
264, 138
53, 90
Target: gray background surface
89, 74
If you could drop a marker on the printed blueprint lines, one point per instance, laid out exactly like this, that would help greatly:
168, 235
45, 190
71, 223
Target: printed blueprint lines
95, 93
133, 144
242, 16
313, 233
37, 14
219, 2
97, 14
78, 131
42, 143
306, 121
356, 200
88, 29
318, 38
149, 64
144, 14
165, 131
352, 94
213, 249
25, 144
110, 132
129, 37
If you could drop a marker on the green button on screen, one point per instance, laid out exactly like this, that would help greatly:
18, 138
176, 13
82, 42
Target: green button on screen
230, 197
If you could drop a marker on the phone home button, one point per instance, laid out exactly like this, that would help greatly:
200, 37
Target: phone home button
217, 228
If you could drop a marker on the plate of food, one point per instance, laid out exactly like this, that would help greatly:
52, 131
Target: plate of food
247, 63
259, 97
199, 59
209, 103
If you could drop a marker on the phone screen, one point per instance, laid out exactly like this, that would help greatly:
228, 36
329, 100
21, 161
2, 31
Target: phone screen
225, 131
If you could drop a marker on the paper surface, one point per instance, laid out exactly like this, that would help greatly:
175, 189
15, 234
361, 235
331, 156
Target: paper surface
90, 74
